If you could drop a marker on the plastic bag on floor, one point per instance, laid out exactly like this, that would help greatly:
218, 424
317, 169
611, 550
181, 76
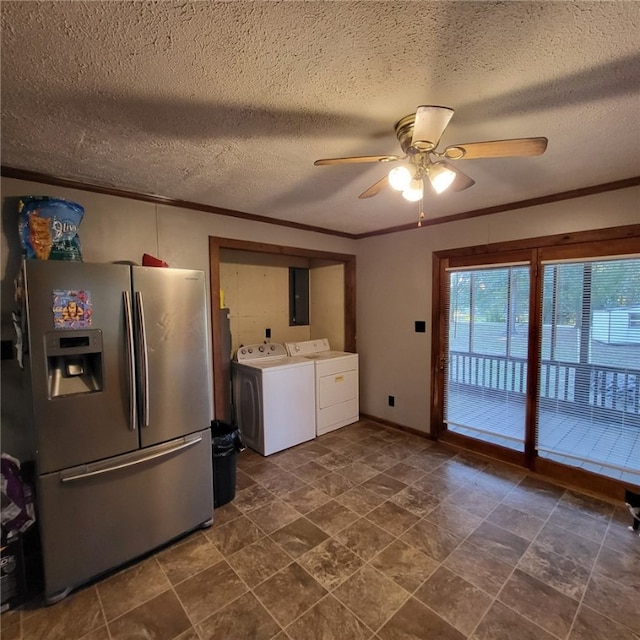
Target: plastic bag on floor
18, 512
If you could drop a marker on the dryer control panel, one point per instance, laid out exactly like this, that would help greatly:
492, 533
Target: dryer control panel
307, 347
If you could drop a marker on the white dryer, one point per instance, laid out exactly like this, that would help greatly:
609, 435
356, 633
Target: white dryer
274, 397
337, 397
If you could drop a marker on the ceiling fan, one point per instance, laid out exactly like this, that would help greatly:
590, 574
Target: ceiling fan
419, 134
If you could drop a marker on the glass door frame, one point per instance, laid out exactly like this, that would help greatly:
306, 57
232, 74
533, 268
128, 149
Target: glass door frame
499, 378
619, 241
442, 265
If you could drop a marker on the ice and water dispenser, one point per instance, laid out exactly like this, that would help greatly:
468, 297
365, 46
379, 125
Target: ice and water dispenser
74, 362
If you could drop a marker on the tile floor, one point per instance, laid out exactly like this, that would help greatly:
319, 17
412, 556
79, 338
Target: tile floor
371, 533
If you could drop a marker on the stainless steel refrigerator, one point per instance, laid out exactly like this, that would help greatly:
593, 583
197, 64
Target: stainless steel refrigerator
118, 378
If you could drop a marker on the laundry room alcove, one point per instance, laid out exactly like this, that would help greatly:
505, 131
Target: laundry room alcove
252, 280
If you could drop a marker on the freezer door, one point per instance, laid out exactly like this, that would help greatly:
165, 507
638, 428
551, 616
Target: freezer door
173, 353
79, 377
97, 517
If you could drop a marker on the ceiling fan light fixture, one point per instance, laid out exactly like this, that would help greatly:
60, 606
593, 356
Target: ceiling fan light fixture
419, 135
400, 177
414, 191
440, 176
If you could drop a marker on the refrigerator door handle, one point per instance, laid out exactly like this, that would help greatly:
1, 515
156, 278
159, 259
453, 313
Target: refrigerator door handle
144, 363
185, 444
131, 356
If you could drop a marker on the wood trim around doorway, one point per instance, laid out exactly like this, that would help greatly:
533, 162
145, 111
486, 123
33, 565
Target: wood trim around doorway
215, 246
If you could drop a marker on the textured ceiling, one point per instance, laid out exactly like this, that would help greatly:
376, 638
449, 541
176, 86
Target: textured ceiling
229, 103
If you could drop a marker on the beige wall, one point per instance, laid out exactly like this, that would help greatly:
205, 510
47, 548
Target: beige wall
121, 229
394, 289
326, 302
256, 292
393, 273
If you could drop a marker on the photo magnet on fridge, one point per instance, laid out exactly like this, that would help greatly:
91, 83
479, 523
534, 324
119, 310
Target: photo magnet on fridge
71, 309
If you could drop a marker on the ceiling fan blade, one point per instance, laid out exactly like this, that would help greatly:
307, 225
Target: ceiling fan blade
326, 161
462, 181
429, 125
376, 188
497, 149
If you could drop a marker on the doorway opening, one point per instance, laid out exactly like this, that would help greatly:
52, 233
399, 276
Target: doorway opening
217, 248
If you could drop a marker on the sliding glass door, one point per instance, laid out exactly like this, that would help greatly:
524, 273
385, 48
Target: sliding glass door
589, 378
537, 354
487, 320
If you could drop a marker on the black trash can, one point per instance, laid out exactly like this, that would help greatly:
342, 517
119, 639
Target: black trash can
225, 445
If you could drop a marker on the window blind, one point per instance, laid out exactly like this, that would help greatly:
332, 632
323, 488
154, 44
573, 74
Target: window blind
589, 391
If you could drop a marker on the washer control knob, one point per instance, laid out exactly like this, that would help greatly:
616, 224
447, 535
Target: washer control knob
261, 349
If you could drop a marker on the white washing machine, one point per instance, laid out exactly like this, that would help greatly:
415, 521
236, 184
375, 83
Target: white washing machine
337, 399
274, 397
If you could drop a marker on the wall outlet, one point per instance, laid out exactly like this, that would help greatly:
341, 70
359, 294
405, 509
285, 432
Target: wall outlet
421, 326
267, 333
392, 401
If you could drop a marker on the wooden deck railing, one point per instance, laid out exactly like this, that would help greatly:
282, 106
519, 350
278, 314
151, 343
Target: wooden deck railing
609, 389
